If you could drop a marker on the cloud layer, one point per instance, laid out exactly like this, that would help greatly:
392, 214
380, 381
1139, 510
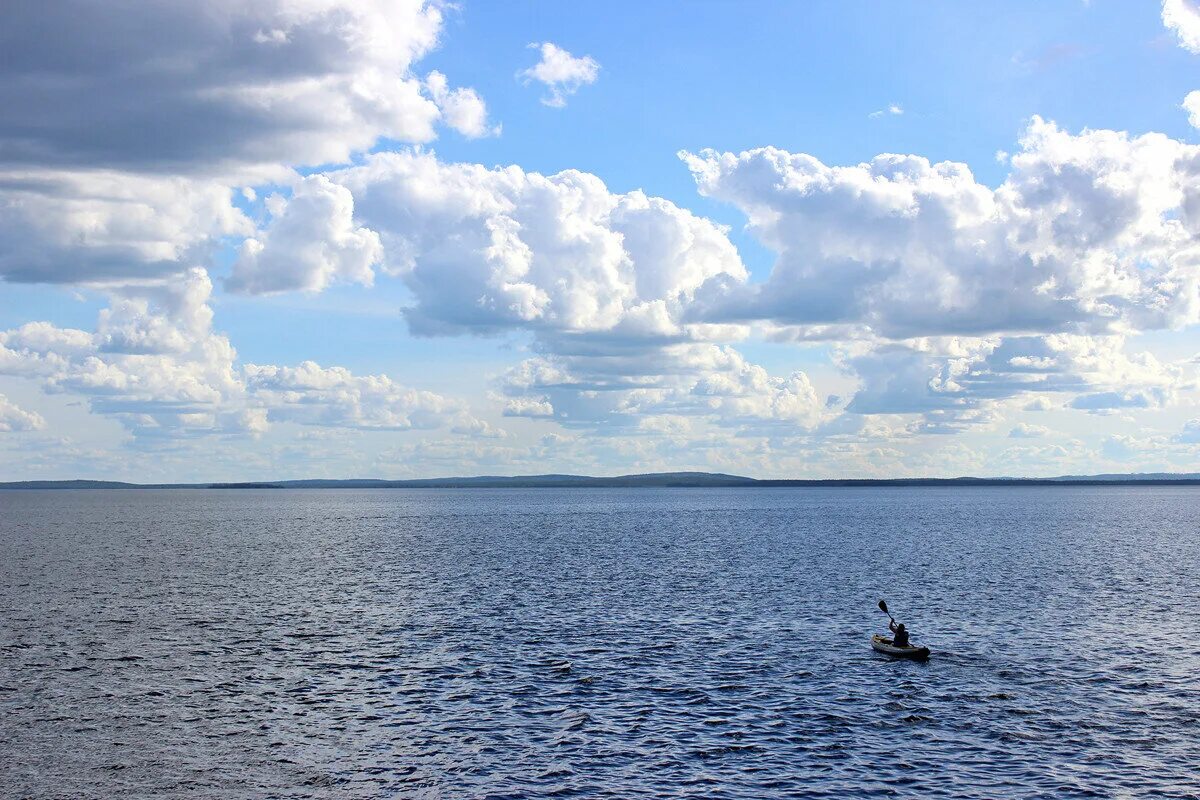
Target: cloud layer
165, 154
156, 366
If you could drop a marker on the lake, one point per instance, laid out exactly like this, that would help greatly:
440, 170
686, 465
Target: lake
599, 643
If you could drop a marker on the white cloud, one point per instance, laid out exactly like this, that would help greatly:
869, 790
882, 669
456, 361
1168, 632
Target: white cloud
562, 73
1090, 233
13, 418
148, 86
478, 429
333, 397
39, 348
1190, 433
462, 109
621, 390
156, 366
601, 280
528, 407
953, 303
154, 363
123, 160
99, 225
1183, 17
169, 317
1026, 431
630, 298
485, 250
893, 109
312, 240
954, 384
1191, 104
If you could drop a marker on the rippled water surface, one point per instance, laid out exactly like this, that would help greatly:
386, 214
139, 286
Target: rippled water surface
625, 643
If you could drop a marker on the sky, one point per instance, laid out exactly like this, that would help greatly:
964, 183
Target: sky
270, 239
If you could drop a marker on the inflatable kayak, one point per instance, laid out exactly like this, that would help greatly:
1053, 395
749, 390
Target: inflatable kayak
883, 645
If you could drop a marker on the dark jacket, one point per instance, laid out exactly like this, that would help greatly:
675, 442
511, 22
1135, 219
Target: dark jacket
901, 636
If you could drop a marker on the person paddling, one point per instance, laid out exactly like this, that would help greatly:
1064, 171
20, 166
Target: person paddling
899, 646
900, 639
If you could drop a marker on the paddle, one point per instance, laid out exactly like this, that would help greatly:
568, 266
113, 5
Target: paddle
883, 608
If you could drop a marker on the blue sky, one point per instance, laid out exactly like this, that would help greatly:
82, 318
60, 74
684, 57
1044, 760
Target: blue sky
804, 77
316, 264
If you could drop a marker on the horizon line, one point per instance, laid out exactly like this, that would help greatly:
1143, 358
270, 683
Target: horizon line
680, 479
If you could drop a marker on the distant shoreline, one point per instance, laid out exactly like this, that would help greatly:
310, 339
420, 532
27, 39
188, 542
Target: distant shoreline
675, 480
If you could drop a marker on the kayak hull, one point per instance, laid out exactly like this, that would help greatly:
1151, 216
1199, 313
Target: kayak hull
882, 645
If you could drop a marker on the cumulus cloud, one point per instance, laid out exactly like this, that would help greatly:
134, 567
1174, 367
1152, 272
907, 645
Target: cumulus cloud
1026, 431
1191, 104
621, 391
737, 392
39, 348
1110, 401
1183, 17
13, 418
312, 240
560, 72
1024, 289
528, 407
100, 225
138, 122
1090, 233
312, 395
462, 109
156, 366
211, 85
485, 250
602, 281
630, 299
953, 383
163, 318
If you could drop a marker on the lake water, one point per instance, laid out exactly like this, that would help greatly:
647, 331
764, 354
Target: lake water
599, 643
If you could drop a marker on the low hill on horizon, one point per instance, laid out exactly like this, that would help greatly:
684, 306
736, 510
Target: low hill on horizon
643, 480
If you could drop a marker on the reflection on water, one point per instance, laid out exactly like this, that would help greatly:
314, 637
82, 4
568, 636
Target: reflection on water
509, 643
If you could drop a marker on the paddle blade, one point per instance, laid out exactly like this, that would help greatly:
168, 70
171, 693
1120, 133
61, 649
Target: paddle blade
883, 607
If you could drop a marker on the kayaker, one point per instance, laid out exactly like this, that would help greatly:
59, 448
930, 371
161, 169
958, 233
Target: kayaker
900, 639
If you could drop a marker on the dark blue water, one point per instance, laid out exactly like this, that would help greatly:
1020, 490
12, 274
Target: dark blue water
596, 643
